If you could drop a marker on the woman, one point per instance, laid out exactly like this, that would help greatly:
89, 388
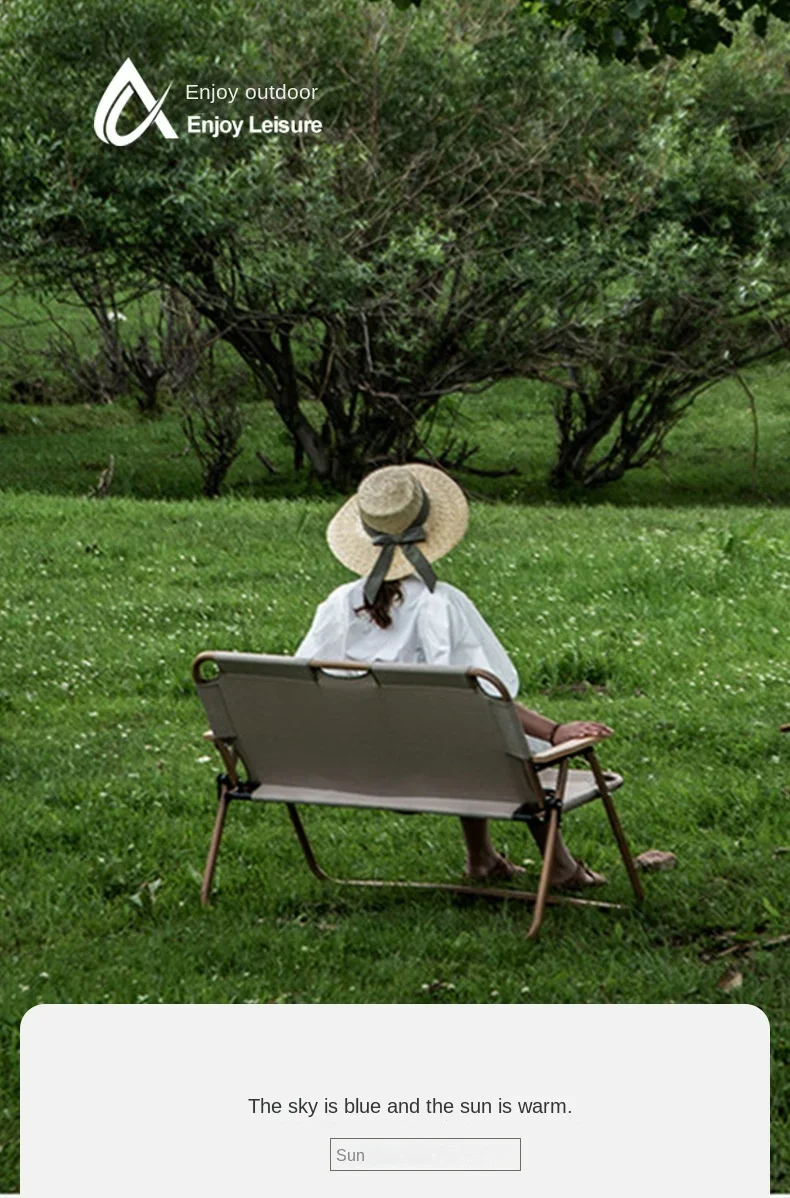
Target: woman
401, 519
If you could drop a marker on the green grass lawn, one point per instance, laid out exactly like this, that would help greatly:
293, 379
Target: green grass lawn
667, 623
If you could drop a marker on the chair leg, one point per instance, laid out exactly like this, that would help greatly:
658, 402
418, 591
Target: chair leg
549, 849
216, 838
545, 874
305, 845
616, 826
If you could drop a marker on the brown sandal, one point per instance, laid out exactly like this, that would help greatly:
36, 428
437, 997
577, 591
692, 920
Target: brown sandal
581, 878
502, 870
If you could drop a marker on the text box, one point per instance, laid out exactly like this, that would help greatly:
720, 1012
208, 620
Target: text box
402, 1154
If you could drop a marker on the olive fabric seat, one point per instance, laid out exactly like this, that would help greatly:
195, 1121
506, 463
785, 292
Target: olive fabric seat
405, 738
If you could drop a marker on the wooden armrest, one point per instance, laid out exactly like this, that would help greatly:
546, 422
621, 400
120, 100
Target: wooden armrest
568, 748
784, 728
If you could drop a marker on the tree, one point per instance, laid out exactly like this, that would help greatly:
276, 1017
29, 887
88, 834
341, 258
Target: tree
624, 383
366, 273
482, 203
648, 30
679, 278
213, 425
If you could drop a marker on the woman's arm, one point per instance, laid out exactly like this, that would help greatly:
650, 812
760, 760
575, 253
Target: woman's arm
545, 729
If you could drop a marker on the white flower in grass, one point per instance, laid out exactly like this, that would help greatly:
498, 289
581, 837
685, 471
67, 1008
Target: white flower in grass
202, 760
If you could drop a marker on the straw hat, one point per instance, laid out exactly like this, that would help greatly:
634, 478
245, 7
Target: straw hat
390, 502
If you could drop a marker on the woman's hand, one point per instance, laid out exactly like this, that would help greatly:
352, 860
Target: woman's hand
541, 726
578, 729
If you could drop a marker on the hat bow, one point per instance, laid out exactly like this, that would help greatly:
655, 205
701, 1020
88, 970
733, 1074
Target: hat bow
407, 540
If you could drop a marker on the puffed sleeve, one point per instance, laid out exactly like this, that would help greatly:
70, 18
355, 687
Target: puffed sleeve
327, 633
435, 628
452, 632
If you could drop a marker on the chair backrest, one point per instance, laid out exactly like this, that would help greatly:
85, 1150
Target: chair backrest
408, 735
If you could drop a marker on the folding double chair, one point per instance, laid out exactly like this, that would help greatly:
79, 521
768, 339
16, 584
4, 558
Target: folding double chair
402, 738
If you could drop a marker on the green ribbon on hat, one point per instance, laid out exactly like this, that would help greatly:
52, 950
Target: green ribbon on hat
408, 542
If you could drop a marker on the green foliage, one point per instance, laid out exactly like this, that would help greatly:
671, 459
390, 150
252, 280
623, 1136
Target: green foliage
379, 282
648, 30
448, 229
673, 266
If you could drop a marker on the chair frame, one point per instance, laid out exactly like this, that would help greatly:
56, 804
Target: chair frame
230, 787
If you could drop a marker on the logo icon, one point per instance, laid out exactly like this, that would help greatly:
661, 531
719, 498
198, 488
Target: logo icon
126, 81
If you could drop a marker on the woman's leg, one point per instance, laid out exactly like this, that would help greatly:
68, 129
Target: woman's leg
483, 860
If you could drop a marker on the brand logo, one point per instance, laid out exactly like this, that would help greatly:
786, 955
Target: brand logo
125, 82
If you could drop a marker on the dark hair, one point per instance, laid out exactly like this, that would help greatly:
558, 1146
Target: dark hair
379, 610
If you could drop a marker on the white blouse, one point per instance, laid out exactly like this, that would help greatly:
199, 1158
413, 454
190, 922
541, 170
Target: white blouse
440, 627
